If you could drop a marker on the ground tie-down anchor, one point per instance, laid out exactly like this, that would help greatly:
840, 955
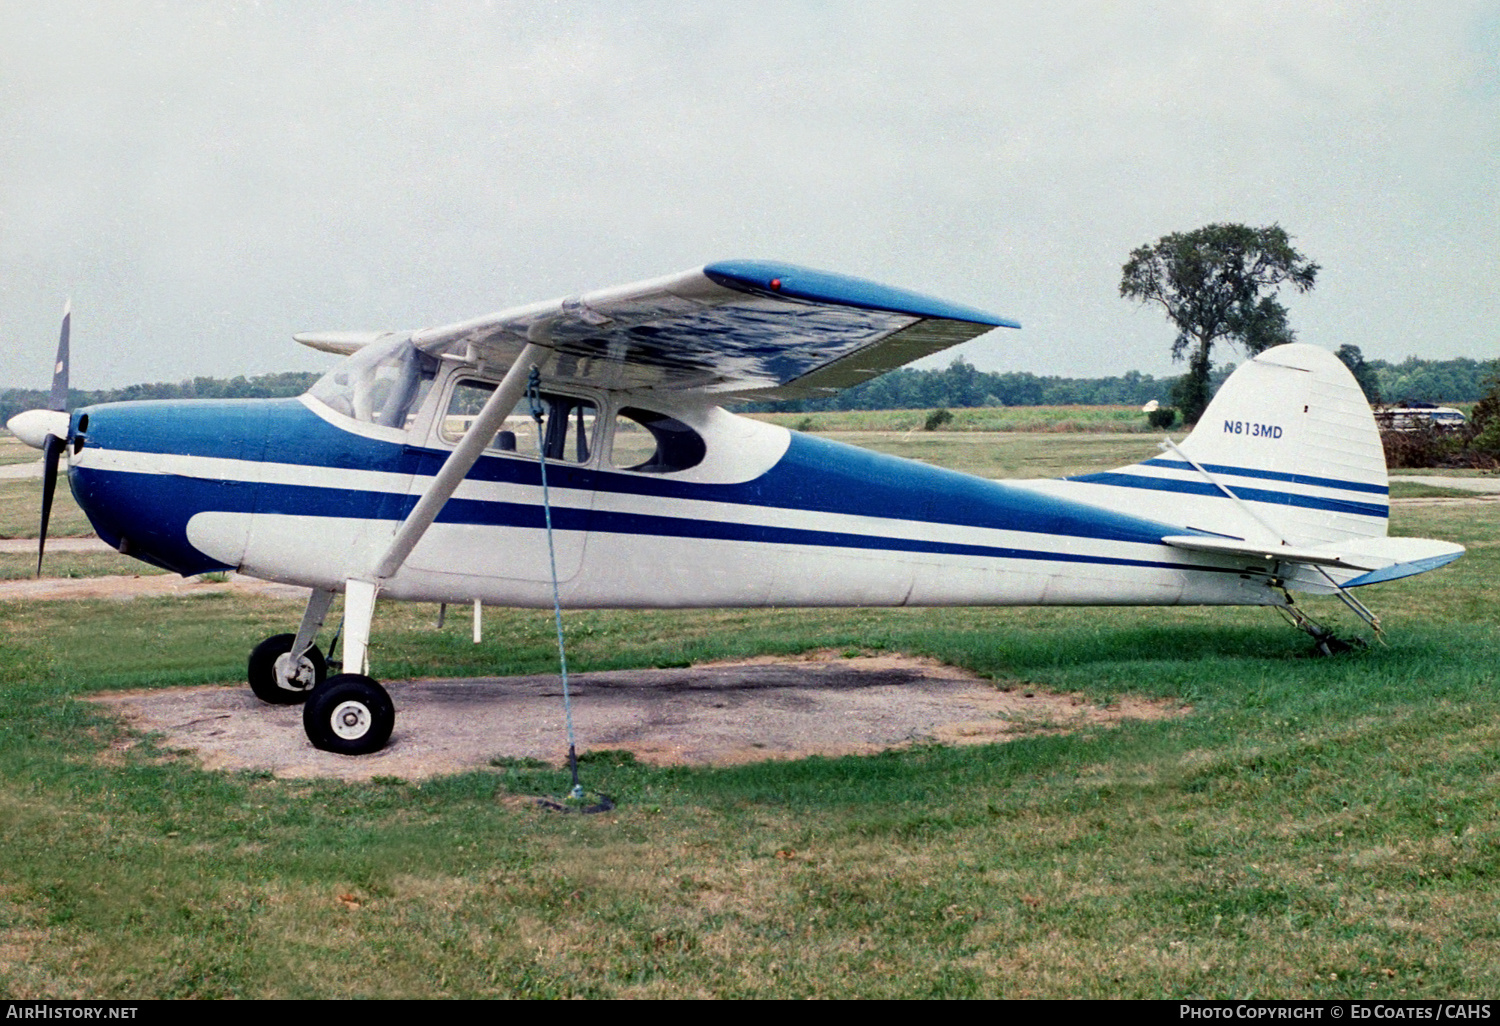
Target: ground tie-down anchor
578, 800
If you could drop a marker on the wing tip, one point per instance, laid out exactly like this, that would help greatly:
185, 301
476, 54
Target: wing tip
772, 278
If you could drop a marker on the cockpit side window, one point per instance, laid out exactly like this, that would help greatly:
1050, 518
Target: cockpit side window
382, 384
653, 443
568, 423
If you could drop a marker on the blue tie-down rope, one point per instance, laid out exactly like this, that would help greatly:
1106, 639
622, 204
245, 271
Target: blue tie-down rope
538, 410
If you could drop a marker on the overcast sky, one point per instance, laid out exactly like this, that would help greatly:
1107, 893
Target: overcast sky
206, 179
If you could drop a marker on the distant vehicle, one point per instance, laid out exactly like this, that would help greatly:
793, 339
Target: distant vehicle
1412, 416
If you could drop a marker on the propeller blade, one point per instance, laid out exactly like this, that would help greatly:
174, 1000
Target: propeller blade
52, 452
59, 397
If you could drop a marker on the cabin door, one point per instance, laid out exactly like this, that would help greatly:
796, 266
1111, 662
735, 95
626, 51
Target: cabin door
495, 524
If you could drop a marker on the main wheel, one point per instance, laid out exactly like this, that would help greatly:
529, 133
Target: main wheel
276, 678
349, 714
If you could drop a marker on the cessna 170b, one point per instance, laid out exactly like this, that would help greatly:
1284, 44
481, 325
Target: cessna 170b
414, 471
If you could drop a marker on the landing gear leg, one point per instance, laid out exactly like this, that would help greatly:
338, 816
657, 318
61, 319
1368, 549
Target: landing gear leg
312, 620
285, 668
351, 714
359, 610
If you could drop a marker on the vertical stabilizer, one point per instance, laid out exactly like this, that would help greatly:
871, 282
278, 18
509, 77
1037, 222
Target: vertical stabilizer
1292, 433
1288, 451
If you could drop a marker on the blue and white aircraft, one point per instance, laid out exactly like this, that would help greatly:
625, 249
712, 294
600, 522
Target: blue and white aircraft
413, 471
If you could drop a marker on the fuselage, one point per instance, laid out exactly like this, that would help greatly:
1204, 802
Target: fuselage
294, 490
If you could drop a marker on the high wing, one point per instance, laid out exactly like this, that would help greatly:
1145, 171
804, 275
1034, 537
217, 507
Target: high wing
762, 329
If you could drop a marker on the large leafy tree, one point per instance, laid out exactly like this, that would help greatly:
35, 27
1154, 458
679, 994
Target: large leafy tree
1217, 283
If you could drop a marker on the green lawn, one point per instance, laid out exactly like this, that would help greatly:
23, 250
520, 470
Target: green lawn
1108, 419
1313, 827
13, 450
1412, 490
1013, 454
1310, 828
21, 510
17, 566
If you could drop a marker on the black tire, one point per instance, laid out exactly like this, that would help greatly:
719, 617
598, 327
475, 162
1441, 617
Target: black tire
349, 714
262, 671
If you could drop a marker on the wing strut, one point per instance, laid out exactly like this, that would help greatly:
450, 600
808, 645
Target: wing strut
491, 418
359, 593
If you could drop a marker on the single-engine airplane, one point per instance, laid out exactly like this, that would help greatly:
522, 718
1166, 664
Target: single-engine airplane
414, 471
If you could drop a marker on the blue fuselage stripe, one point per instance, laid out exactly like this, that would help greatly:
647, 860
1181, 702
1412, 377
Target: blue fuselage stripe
1159, 484
192, 495
650, 524
815, 475
1273, 475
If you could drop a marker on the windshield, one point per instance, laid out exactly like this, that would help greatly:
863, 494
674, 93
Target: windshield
382, 384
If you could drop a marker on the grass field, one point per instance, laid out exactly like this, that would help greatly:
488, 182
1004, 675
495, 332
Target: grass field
1311, 827
20, 510
1106, 419
1446, 472
16, 567
13, 450
1411, 490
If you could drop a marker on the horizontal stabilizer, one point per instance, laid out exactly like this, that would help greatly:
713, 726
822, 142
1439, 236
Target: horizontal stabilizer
1282, 553
1382, 559
341, 342
1410, 556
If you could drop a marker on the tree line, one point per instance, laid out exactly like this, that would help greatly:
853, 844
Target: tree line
961, 386
1220, 284
264, 386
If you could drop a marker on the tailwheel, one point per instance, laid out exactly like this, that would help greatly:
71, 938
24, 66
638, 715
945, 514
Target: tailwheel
349, 714
1325, 642
277, 678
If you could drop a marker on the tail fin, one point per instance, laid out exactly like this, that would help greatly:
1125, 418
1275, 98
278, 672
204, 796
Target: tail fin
1292, 435
1287, 452
1286, 468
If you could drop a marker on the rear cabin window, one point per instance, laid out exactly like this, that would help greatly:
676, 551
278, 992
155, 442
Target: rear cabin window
653, 443
568, 423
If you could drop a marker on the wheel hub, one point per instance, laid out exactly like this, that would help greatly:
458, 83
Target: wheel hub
351, 720
299, 675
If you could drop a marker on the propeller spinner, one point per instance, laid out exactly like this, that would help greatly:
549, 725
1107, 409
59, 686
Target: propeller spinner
47, 430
